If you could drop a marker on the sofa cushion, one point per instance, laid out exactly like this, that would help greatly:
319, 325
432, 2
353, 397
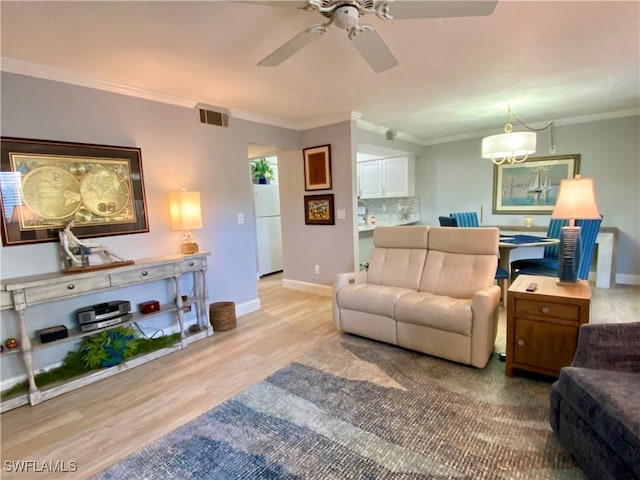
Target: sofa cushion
608, 400
460, 261
435, 311
365, 297
398, 256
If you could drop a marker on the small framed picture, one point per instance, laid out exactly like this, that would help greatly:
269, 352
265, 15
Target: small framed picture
317, 168
318, 210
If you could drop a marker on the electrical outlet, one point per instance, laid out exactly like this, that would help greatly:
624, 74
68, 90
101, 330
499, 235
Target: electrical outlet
317, 269
240, 218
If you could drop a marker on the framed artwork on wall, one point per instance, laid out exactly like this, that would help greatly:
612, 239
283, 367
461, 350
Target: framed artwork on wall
46, 184
317, 168
531, 186
318, 210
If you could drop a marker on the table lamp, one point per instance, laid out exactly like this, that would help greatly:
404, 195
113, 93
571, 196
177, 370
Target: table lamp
184, 211
576, 199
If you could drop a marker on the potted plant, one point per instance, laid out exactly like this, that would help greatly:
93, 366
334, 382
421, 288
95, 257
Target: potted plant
261, 170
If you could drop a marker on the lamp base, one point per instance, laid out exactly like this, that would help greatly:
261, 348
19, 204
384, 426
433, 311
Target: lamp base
569, 256
189, 248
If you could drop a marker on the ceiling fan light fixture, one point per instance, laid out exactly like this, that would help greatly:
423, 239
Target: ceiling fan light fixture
346, 17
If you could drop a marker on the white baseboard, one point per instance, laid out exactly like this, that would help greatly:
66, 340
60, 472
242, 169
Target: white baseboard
627, 279
317, 288
247, 307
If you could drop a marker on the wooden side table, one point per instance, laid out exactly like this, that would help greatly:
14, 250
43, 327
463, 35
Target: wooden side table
542, 326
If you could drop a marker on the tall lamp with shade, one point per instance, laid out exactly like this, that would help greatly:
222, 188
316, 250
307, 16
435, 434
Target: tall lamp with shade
576, 200
185, 215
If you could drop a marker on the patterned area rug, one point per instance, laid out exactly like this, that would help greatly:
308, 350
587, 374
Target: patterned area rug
358, 409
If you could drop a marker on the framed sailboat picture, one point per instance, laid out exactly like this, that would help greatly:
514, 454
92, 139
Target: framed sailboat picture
532, 186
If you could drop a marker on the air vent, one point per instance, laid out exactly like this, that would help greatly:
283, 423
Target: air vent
212, 117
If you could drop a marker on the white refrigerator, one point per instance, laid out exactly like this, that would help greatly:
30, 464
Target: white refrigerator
268, 228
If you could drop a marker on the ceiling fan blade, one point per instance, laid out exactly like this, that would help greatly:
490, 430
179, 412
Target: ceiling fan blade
297, 43
406, 9
376, 53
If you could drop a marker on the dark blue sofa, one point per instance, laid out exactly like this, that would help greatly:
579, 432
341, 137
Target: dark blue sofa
595, 403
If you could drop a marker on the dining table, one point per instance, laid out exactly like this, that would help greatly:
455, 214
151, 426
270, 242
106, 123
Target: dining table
509, 242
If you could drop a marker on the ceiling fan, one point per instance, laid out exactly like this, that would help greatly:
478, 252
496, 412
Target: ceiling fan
345, 14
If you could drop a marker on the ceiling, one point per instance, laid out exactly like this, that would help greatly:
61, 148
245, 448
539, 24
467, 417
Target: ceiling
549, 60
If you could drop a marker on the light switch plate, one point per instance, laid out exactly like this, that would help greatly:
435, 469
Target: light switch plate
342, 214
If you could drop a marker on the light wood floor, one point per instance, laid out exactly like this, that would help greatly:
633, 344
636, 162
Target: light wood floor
103, 423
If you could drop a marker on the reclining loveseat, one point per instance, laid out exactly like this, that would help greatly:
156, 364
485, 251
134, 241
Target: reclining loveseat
429, 289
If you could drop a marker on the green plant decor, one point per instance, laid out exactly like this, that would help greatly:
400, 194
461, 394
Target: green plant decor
261, 169
108, 348
76, 362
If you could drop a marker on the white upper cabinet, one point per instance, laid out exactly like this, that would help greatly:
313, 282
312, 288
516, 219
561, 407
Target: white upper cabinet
370, 179
387, 177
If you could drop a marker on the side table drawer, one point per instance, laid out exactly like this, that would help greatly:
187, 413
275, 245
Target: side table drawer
544, 345
58, 290
156, 272
536, 309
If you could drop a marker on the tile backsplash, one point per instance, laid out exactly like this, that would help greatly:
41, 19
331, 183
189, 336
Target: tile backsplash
390, 211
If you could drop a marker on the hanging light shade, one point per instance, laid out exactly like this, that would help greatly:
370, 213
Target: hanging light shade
509, 147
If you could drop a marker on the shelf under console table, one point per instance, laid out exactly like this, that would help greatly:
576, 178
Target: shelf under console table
18, 294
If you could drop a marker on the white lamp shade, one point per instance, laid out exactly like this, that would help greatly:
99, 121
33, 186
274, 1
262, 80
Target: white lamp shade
184, 210
576, 199
514, 144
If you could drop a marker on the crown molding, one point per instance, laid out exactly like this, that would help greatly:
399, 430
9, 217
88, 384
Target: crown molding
30, 69
372, 127
264, 119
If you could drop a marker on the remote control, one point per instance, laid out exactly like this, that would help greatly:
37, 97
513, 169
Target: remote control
532, 287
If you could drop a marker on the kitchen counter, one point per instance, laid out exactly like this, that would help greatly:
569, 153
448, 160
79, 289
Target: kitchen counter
370, 228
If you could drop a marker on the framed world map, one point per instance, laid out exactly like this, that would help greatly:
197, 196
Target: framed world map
45, 184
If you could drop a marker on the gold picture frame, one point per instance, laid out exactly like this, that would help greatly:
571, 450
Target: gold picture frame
317, 168
318, 210
45, 184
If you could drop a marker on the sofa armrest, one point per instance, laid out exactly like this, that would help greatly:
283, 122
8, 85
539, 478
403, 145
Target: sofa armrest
609, 346
341, 280
484, 306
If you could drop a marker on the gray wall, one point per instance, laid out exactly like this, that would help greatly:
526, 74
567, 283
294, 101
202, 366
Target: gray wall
329, 246
177, 151
453, 177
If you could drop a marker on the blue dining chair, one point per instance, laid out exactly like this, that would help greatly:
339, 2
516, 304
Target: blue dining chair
447, 222
547, 266
466, 219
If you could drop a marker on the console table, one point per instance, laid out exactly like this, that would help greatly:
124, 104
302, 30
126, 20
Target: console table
18, 294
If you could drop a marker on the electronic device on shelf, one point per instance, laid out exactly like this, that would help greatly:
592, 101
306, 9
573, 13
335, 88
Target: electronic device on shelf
102, 315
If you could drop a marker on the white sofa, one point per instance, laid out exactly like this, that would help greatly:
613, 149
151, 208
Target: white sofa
429, 289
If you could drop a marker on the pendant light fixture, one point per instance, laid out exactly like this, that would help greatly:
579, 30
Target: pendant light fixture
510, 146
